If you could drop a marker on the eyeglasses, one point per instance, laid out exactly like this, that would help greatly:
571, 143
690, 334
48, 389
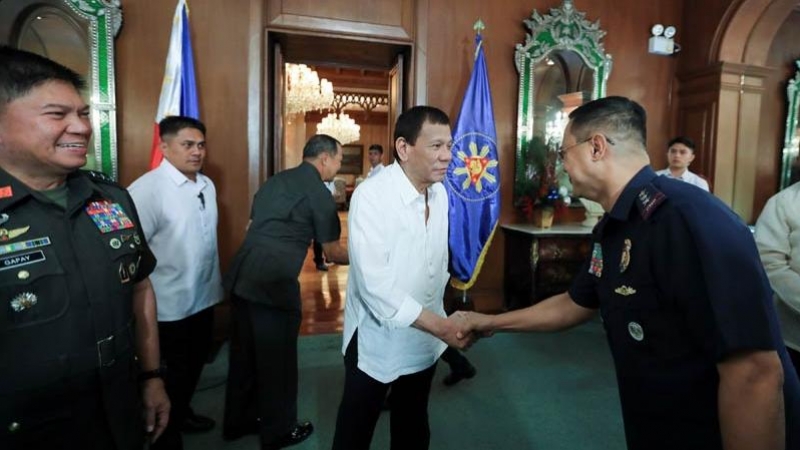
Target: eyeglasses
563, 150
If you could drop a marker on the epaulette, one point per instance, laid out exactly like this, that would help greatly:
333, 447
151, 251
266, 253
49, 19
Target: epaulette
100, 177
648, 200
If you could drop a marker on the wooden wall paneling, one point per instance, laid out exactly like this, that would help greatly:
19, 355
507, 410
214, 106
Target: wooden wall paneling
383, 19
700, 33
397, 102
751, 90
695, 123
257, 78
273, 153
698, 98
726, 138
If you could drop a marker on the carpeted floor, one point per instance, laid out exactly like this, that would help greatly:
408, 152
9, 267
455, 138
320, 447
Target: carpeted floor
533, 391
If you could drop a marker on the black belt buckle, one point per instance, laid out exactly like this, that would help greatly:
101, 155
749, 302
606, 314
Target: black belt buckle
106, 352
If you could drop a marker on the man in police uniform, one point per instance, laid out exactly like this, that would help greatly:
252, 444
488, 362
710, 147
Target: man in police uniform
77, 305
685, 302
289, 210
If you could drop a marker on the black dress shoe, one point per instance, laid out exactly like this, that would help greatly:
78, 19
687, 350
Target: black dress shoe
299, 433
195, 423
322, 267
458, 375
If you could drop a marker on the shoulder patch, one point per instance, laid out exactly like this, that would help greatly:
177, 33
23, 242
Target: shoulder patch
100, 177
648, 200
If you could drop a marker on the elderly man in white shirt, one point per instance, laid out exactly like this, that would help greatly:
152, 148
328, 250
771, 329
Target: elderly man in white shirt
778, 239
395, 326
680, 155
178, 212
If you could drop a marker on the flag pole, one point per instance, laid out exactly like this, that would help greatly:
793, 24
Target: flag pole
478, 27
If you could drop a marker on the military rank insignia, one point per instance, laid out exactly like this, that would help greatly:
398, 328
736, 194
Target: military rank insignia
23, 301
596, 266
648, 200
7, 235
625, 290
625, 260
108, 216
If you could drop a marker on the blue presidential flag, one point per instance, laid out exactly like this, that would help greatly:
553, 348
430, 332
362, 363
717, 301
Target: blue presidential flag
473, 178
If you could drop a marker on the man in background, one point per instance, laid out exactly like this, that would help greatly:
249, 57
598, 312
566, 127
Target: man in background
778, 240
685, 302
395, 326
375, 156
680, 155
289, 210
178, 210
79, 360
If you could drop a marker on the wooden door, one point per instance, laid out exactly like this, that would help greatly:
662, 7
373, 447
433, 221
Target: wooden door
396, 101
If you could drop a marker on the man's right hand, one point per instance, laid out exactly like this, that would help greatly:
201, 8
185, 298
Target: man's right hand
477, 324
453, 332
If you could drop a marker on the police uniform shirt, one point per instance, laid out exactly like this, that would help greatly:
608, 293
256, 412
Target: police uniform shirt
680, 287
66, 286
289, 210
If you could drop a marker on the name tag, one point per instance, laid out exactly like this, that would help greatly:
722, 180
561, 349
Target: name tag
10, 262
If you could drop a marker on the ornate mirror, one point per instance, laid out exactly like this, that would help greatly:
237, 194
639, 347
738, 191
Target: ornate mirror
790, 167
80, 35
561, 65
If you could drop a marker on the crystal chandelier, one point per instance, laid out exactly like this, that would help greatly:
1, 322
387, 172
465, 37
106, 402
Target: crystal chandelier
305, 91
341, 127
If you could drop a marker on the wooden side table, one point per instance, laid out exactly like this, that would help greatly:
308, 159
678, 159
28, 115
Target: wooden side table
540, 262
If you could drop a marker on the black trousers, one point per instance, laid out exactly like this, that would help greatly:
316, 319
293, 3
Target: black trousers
262, 371
361, 405
185, 345
455, 359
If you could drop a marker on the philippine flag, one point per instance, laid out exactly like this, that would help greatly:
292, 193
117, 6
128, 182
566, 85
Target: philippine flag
178, 90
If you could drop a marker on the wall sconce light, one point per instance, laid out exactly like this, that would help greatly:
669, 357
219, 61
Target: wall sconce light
661, 42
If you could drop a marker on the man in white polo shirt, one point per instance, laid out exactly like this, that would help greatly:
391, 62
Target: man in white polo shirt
178, 210
395, 326
680, 155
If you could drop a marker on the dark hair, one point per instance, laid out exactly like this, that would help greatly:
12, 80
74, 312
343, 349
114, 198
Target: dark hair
21, 71
618, 116
320, 143
376, 147
682, 140
410, 123
172, 125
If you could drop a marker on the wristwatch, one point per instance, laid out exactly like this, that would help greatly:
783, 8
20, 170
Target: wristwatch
155, 373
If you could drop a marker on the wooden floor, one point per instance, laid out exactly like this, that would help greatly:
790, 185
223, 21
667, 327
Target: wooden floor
322, 293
